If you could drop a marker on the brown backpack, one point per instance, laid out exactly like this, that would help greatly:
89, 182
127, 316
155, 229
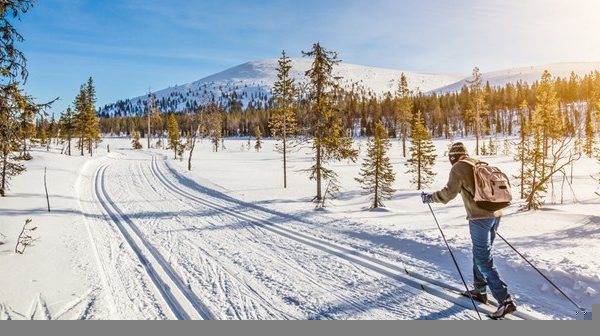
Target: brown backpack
492, 186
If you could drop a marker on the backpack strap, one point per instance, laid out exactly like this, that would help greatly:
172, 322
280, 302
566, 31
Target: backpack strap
472, 164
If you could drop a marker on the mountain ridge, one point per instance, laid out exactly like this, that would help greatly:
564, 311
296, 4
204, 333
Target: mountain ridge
250, 83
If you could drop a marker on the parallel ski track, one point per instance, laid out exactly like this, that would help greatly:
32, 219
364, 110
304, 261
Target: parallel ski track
401, 274
182, 302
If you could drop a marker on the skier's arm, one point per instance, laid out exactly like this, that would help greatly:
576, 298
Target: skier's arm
451, 190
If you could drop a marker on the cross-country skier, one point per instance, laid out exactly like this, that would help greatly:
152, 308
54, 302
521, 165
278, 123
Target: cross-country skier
482, 224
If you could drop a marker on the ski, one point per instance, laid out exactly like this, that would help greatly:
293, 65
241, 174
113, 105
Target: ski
491, 306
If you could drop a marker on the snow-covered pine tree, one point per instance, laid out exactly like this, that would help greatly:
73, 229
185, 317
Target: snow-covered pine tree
478, 109
173, 130
377, 174
258, 137
283, 118
403, 106
329, 139
422, 154
135, 140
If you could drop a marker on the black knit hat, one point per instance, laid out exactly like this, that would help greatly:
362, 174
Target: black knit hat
457, 151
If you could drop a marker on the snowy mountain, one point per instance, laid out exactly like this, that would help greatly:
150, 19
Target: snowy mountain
528, 74
251, 83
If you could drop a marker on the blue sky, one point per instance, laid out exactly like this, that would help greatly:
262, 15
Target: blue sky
129, 46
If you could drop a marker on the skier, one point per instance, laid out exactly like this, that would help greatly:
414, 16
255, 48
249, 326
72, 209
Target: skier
482, 224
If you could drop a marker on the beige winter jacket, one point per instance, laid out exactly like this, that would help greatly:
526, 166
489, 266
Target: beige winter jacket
462, 181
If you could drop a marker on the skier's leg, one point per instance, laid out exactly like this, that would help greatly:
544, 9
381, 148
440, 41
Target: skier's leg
481, 236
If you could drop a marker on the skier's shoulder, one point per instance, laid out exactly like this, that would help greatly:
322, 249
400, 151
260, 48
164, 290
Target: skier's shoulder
468, 161
465, 164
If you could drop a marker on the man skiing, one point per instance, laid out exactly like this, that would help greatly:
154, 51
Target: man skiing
482, 225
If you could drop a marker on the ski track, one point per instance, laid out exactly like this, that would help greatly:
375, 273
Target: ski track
246, 264
181, 301
250, 272
267, 229
261, 240
385, 268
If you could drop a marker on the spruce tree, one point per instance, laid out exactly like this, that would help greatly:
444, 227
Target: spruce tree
422, 155
68, 127
377, 174
258, 137
87, 123
588, 145
330, 142
547, 107
13, 101
523, 146
135, 140
404, 105
283, 119
173, 130
215, 130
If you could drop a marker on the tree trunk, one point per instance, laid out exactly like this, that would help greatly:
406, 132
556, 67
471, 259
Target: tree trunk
284, 163
319, 196
191, 152
5, 163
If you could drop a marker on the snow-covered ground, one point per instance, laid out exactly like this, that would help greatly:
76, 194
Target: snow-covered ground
134, 235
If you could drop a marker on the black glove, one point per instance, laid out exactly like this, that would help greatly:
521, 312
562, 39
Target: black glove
427, 198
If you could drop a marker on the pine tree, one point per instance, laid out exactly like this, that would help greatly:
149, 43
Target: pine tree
329, 140
547, 108
258, 137
68, 127
26, 119
535, 163
135, 140
87, 124
523, 146
422, 154
283, 118
377, 174
493, 149
13, 101
403, 107
478, 109
588, 145
483, 151
215, 130
173, 130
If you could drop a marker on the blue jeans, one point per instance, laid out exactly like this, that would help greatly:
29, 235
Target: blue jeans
483, 234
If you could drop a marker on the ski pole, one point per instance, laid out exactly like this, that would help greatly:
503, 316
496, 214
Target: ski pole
540, 272
455, 262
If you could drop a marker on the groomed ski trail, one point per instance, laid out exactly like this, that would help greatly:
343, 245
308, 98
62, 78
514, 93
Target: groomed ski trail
415, 280
182, 302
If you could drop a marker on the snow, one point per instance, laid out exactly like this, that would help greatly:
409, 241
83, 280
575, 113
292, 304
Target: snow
134, 235
528, 74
